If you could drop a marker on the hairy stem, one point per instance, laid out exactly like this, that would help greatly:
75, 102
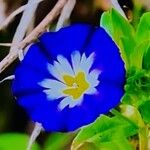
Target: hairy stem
65, 14
143, 138
35, 133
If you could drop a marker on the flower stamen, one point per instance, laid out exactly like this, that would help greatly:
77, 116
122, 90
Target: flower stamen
76, 85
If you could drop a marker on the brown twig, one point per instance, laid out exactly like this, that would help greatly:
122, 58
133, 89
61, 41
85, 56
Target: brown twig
34, 34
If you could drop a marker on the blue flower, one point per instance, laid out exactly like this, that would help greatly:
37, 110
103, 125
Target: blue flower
70, 77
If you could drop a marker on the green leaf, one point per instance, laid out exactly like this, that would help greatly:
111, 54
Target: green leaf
137, 87
116, 25
57, 141
143, 30
121, 32
9, 141
113, 145
137, 57
146, 59
119, 144
145, 111
142, 38
132, 113
104, 132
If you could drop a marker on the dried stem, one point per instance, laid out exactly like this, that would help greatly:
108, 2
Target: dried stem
35, 133
43, 25
24, 23
143, 138
34, 34
11, 77
6, 44
65, 14
2, 10
15, 13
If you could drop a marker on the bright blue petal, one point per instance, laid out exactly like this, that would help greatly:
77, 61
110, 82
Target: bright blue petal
31, 71
26, 80
109, 97
52, 120
43, 111
80, 116
36, 59
66, 40
107, 58
46, 112
33, 101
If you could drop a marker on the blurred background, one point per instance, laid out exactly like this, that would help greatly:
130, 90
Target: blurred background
13, 119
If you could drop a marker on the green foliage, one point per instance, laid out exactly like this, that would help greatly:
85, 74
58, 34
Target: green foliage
133, 45
138, 83
142, 38
144, 108
136, 58
146, 62
143, 30
116, 25
15, 141
138, 92
106, 133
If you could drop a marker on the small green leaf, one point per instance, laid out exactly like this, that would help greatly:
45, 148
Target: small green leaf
132, 114
105, 131
136, 58
127, 48
116, 25
145, 111
119, 144
146, 59
143, 30
121, 32
9, 141
137, 87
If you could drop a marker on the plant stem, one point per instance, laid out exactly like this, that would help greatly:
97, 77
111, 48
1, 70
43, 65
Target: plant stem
143, 138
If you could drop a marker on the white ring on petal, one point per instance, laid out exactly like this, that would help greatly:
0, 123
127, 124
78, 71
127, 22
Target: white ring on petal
61, 67
76, 58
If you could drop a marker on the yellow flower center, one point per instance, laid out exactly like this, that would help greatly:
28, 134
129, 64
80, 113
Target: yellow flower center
76, 85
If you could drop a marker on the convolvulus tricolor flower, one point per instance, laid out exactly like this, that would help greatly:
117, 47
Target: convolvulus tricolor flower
70, 77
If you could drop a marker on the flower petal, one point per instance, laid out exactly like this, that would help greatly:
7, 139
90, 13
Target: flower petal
52, 56
52, 84
75, 59
53, 94
66, 40
107, 57
36, 59
26, 80
65, 65
65, 102
43, 111
87, 62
